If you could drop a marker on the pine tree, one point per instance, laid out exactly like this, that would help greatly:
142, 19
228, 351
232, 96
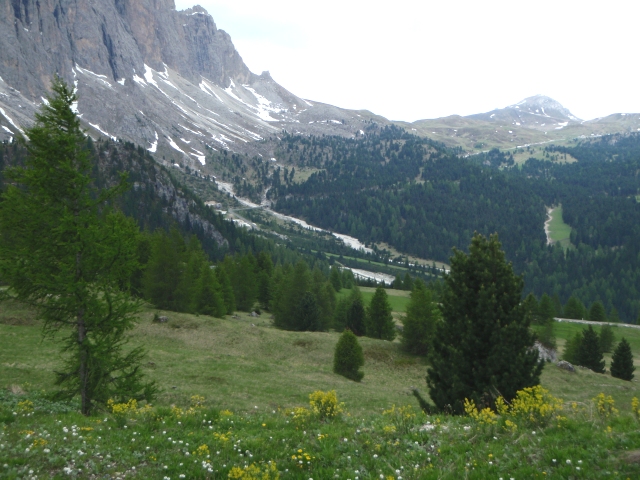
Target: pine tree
407, 284
482, 348
597, 312
164, 270
622, 361
68, 255
336, 279
308, 314
356, 315
607, 338
227, 290
546, 310
419, 324
574, 309
209, 297
379, 322
530, 306
348, 357
613, 315
572, 349
590, 355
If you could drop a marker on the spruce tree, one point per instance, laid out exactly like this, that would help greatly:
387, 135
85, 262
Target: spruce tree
572, 349
530, 306
348, 357
546, 310
407, 284
622, 361
336, 279
590, 355
68, 255
356, 315
379, 322
209, 297
227, 290
482, 348
419, 324
308, 314
597, 312
607, 338
613, 315
574, 309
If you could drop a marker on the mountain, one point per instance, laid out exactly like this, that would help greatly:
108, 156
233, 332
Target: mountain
534, 120
168, 80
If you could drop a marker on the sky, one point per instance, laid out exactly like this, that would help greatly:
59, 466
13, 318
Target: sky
410, 60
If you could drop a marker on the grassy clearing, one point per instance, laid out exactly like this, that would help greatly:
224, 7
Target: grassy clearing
303, 174
398, 299
558, 230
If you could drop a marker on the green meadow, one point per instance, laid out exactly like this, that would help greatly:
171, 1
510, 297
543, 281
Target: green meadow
234, 403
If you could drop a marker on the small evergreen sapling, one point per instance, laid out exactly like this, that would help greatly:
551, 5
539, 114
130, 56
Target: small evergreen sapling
622, 361
348, 357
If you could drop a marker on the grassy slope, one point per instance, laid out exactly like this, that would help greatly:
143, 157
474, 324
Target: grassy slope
254, 369
232, 362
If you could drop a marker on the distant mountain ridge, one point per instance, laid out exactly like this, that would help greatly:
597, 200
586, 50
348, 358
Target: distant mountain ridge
535, 120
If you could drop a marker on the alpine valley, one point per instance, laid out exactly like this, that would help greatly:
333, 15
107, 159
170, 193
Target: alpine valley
164, 94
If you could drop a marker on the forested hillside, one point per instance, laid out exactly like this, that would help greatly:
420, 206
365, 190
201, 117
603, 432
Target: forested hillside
423, 200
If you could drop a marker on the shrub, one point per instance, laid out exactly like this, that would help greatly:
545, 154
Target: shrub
325, 404
348, 357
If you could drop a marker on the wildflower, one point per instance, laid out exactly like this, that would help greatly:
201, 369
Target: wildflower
568, 462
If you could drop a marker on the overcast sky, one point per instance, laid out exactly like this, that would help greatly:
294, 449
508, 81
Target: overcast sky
408, 60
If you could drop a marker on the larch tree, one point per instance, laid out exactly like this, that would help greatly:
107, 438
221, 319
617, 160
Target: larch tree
67, 254
482, 348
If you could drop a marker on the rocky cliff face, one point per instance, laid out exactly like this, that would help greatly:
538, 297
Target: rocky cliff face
168, 80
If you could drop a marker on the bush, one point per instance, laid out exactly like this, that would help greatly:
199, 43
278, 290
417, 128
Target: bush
325, 404
348, 357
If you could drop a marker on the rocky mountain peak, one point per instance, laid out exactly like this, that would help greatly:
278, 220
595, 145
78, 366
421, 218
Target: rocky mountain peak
543, 105
168, 80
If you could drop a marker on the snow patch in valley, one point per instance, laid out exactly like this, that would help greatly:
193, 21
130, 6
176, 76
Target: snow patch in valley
6, 129
121, 81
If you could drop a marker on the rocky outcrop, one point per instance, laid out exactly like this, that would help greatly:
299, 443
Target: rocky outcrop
168, 80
